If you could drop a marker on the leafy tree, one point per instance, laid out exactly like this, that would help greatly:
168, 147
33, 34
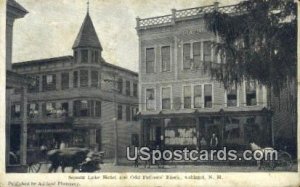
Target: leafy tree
258, 42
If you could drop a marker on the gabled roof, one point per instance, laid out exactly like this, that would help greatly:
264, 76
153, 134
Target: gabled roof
87, 36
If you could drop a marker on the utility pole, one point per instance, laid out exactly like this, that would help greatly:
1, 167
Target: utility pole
114, 90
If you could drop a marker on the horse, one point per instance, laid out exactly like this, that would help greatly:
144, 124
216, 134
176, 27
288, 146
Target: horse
254, 147
68, 157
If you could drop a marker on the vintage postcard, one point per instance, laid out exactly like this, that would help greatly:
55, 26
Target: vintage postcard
149, 93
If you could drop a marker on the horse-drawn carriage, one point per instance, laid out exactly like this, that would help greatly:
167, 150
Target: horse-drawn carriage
281, 159
81, 159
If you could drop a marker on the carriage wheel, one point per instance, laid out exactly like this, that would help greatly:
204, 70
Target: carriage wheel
34, 167
284, 160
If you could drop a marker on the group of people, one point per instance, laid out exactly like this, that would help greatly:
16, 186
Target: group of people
213, 143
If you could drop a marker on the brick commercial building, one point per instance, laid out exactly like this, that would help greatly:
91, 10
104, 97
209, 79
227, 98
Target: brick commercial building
180, 103
78, 100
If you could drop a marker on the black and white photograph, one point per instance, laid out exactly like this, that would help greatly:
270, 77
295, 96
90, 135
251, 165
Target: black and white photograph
153, 87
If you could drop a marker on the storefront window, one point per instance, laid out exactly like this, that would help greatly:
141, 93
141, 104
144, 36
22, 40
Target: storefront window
166, 98
135, 140
232, 131
187, 100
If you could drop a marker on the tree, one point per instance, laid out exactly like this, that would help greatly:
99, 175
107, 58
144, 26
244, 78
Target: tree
257, 41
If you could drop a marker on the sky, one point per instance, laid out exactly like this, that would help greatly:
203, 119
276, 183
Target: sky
51, 26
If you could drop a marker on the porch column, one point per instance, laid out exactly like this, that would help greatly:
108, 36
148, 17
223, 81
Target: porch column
142, 135
23, 144
8, 125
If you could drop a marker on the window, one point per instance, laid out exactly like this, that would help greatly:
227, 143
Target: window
120, 85
84, 56
207, 49
64, 81
128, 115
187, 56
95, 78
120, 112
93, 56
49, 109
62, 109
196, 54
197, 96
98, 109
165, 58
251, 93
134, 112
232, 96
34, 85
187, 97
32, 110
75, 79
150, 58
49, 82
16, 111
84, 78
75, 56
166, 98
83, 108
135, 89
65, 109
208, 96
96, 56
150, 99
128, 88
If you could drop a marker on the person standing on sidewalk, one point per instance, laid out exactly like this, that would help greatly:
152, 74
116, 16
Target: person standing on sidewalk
214, 142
